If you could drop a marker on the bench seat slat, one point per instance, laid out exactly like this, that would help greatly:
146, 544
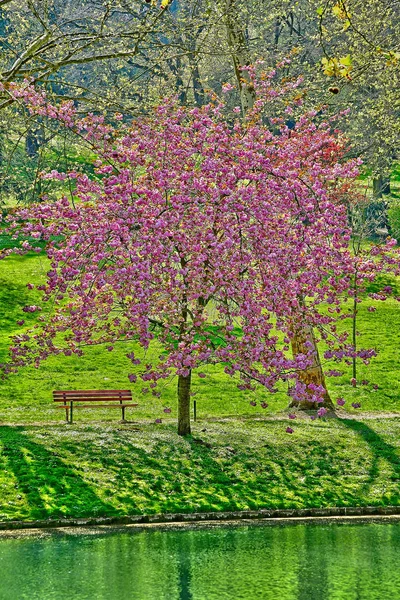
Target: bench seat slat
96, 405
92, 395
97, 399
92, 391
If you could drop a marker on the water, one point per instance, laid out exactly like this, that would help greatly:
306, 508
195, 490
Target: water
298, 562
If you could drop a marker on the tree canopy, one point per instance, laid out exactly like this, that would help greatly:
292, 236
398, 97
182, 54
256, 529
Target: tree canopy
217, 239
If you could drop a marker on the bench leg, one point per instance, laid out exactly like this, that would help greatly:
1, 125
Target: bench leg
71, 409
123, 414
67, 414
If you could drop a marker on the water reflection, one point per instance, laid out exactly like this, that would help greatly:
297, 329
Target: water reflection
301, 562
184, 574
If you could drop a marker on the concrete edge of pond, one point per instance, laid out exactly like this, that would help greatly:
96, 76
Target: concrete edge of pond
95, 525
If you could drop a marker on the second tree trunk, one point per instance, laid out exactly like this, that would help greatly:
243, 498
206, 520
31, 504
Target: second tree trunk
300, 342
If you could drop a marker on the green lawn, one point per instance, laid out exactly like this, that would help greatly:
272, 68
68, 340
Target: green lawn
26, 396
239, 456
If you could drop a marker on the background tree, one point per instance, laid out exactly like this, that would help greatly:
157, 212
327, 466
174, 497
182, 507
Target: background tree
303, 338
124, 56
59, 45
347, 53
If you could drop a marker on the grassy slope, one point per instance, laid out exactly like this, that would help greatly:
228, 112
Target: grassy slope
53, 471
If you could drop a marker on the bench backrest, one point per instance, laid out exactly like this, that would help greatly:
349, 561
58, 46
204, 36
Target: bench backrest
91, 395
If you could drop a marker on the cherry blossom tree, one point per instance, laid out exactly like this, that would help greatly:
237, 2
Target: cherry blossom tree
214, 237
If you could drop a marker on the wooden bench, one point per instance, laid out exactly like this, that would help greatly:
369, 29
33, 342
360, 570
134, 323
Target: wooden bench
72, 399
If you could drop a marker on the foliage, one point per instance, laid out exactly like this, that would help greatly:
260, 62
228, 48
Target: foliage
46, 40
87, 50
347, 53
366, 33
115, 56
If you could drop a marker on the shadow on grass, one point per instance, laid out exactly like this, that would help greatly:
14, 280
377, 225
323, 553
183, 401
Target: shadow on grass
379, 448
13, 296
51, 487
166, 477
196, 476
91, 472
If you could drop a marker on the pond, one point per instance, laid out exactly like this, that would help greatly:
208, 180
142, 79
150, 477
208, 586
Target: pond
292, 562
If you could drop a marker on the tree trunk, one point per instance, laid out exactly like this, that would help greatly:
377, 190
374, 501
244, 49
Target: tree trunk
376, 211
198, 89
277, 33
184, 383
32, 144
380, 186
177, 69
240, 55
1, 147
314, 373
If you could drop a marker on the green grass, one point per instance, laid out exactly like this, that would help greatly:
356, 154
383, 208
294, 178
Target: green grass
98, 470
26, 397
245, 459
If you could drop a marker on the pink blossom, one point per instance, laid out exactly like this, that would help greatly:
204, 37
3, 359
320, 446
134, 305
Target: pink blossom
227, 87
31, 309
